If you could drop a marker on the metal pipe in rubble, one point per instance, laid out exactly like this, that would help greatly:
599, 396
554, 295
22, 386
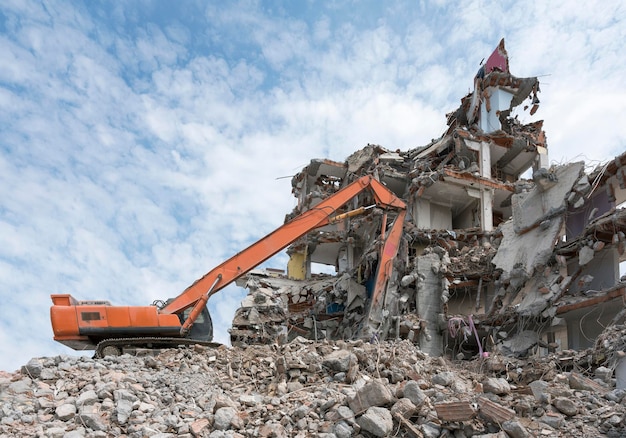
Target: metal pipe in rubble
350, 213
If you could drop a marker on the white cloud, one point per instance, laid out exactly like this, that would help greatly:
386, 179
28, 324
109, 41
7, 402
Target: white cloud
141, 149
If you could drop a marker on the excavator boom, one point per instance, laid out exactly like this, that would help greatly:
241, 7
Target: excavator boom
280, 238
81, 325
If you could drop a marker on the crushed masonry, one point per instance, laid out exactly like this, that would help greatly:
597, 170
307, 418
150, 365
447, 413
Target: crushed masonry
303, 388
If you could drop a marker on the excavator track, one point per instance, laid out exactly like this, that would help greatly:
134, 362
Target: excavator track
115, 347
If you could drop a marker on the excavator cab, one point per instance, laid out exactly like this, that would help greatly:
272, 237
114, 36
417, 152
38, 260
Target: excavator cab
202, 328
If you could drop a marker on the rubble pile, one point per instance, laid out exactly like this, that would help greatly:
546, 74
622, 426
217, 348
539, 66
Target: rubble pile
305, 388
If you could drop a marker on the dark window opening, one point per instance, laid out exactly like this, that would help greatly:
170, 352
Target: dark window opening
90, 316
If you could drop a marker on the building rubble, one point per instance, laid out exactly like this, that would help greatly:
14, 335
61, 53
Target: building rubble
329, 389
489, 261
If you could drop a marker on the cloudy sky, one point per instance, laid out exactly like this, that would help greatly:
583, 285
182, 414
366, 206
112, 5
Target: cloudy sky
144, 142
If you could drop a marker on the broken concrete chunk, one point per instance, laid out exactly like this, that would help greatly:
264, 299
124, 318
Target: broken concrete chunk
340, 360
585, 255
224, 417
250, 400
273, 430
445, 378
579, 203
343, 430
198, 426
65, 411
21, 386
553, 420
431, 430
87, 398
544, 178
90, 416
515, 429
522, 343
377, 421
582, 186
123, 409
540, 391
404, 408
565, 406
603, 373
33, 368
498, 386
413, 392
371, 394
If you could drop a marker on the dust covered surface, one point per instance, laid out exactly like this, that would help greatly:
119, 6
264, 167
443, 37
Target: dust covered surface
327, 389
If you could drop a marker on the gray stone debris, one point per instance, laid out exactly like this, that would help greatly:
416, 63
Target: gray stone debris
371, 394
339, 360
377, 421
498, 386
66, 411
565, 406
414, 393
291, 390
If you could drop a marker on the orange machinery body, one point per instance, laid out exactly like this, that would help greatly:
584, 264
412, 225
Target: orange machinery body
82, 324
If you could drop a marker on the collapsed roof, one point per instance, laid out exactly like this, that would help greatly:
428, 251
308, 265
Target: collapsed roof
488, 260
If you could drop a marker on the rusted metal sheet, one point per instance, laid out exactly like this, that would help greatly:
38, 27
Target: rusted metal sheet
479, 180
617, 292
493, 411
455, 411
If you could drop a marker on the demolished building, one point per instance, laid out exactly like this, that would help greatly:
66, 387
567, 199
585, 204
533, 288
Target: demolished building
488, 260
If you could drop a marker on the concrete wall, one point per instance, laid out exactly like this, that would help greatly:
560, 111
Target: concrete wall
500, 100
421, 213
440, 217
428, 215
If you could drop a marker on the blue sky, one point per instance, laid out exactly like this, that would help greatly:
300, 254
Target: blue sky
144, 142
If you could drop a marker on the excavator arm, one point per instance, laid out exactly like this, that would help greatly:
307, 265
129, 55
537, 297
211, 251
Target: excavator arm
82, 324
322, 214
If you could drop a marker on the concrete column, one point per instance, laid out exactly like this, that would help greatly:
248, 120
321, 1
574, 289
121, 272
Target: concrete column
542, 161
486, 209
486, 195
485, 160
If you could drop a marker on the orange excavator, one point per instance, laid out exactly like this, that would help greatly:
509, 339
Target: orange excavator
185, 320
